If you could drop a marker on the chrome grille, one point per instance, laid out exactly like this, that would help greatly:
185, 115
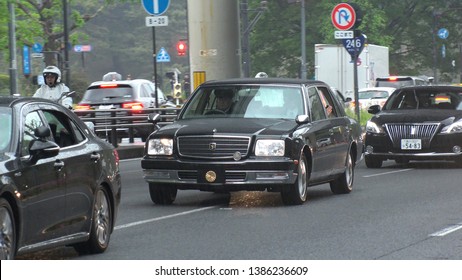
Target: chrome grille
213, 147
424, 131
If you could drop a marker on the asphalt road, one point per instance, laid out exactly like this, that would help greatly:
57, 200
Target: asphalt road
411, 212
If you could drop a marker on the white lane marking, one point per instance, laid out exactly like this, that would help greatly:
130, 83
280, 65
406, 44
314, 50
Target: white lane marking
163, 218
447, 230
390, 172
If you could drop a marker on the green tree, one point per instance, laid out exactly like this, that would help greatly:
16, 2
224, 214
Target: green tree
407, 28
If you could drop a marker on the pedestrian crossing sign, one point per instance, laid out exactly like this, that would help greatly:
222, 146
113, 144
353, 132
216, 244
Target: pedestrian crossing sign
163, 56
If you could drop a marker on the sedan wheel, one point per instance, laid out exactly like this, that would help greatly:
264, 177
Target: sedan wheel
344, 184
101, 226
297, 193
373, 162
162, 194
7, 231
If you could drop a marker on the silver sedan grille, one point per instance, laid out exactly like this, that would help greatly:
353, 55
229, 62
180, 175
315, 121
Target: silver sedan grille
425, 132
213, 147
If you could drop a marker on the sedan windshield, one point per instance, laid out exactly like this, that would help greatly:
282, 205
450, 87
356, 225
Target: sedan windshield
5, 128
246, 101
425, 99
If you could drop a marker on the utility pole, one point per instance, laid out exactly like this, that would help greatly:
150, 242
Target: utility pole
303, 39
246, 28
66, 42
12, 46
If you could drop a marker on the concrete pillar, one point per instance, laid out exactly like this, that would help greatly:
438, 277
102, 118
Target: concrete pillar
214, 38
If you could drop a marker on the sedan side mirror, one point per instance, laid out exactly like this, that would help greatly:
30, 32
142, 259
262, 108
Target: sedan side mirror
41, 148
154, 118
302, 119
374, 109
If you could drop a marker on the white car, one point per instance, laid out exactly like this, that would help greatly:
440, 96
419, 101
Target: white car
374, 96
137, 96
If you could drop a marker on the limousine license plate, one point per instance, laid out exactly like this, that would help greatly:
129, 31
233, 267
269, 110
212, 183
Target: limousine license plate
411, 144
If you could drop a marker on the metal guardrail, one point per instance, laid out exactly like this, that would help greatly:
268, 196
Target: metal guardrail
111, 121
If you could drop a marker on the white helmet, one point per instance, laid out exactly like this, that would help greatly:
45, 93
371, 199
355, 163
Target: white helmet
52, 70
261, 75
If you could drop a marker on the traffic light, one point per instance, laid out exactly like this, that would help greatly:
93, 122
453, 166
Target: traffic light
177, 90
181, 48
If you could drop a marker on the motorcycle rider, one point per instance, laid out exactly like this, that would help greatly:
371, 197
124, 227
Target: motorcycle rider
53, 88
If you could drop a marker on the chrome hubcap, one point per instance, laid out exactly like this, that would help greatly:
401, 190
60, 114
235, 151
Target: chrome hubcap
102, 218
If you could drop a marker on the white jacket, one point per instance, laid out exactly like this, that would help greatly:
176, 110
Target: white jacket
54, 93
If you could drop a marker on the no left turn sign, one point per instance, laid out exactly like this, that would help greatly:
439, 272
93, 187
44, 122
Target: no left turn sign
343, 16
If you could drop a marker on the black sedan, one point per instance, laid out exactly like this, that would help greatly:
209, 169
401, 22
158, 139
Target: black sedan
60, 184
416, 123
279, 135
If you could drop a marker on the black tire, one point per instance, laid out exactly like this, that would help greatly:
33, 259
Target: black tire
101, 225
373, 162
298, 193
344, 183
162, 194
8, 238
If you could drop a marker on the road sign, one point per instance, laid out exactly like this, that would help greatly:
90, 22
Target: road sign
343, 16
157, 21
26, 60
163, 56
37, 48
82, 48
155, 7
347, 34
354, 46
443, 33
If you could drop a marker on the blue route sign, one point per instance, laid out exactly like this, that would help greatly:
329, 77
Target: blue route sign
443, 33
354, 46
37, 48
155, 7
26, 60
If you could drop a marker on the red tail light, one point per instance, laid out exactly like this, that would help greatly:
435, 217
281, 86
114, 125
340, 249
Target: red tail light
135, 106
108, 86
82, 107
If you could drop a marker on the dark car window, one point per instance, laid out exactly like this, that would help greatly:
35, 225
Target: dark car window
328, 102
108, 93
31, 122
425, 99
317, 109
399, 82
6, 128
64, 132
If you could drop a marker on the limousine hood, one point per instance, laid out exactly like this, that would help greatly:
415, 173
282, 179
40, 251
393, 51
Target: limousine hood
228, 126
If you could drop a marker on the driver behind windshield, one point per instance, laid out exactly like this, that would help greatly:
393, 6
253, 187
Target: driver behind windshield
224, 100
